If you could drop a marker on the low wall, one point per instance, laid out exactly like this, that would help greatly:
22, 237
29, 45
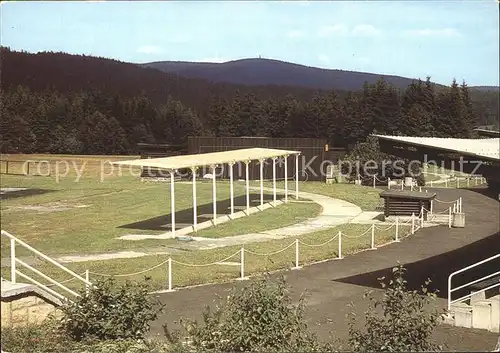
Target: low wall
26, 308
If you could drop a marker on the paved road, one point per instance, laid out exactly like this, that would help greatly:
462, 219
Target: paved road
432, 252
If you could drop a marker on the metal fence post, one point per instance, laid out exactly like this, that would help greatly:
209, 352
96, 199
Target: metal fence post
87, 278
388, 183
373, 237
242, 264
170, 275
340, 244
432, 206
449, 217
422, 217
374, 180
13, 260
413, 223
296, 255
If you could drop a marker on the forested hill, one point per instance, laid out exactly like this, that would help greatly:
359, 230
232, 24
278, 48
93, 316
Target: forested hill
61, 103
68, 73
274, 72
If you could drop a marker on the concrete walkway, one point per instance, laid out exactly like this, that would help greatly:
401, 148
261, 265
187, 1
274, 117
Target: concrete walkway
433, 252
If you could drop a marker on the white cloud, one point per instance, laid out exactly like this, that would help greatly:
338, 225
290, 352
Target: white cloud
441, 32
324, 58
149, 49
295, 34
327, 31
366, 31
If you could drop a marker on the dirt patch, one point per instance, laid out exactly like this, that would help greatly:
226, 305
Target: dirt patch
48, 207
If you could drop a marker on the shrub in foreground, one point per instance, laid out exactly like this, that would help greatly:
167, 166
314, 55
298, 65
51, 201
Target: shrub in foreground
406, 324
257, 318
110, 311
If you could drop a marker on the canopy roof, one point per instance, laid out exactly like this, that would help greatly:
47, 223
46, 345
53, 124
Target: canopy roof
207, 159
485, 148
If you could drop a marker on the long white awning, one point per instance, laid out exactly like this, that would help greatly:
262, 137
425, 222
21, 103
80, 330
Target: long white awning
208, 159
487, 148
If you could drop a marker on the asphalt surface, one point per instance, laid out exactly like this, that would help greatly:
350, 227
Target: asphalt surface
331, 286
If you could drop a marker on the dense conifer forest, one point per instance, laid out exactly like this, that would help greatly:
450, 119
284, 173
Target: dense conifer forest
61, 103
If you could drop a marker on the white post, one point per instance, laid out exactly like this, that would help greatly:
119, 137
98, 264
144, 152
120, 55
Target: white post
468, 181
374, 180
296, 177
460, 204
247, 180
13, 260
397, 228
340, 244
261, 165
286, 178
402, 184
214, 195
449, 218
242, 264
87, 278
296, 255
445, 183
172, 201
413, 223
430, 183
373, 237
419, 189
170, 275
274, 181
195, 211
422, 217
388, 183
231, 187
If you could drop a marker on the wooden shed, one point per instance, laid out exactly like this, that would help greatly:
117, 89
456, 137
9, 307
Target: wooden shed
404, 203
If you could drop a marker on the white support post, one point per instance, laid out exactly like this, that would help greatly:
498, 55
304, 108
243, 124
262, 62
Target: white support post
170, 289
13, 260
430, 183
388, 183
419, 189
231, 187
214, 195
87, 278
402, 184
422, 217
274, 181
397, 229
460, 204
296, 177
297, 266
172, 201
247, 181
373, 237
432, 206
261, 165
195, 210
445, 183
449, 217
242, 265
286, 178
340, 244
413, 223
374, 180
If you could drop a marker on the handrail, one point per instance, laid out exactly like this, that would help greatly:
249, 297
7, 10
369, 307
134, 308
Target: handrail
45, 257
14, 271
450, 290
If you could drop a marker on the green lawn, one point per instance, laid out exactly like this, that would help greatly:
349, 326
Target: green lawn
264, 259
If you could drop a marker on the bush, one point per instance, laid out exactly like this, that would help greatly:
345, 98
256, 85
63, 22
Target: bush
110, 311
420, 179
257, 318
406, 325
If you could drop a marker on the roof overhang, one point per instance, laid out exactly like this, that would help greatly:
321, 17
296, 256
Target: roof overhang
209, 159
485, 149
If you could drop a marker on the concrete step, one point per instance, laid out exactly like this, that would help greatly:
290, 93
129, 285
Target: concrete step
462, 314
481, 314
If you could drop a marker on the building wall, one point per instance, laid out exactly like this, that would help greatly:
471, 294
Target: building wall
25, 309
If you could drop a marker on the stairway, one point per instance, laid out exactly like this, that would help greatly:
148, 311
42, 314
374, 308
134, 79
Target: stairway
480, 311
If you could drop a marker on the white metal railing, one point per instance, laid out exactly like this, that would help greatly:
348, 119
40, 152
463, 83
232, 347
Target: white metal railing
465, 297
16, 263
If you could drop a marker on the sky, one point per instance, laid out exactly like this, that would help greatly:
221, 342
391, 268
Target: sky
442, 39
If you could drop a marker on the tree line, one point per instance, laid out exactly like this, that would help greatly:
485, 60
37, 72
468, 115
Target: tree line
97, 122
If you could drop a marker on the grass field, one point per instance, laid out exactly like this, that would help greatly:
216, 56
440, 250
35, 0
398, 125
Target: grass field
200, 266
